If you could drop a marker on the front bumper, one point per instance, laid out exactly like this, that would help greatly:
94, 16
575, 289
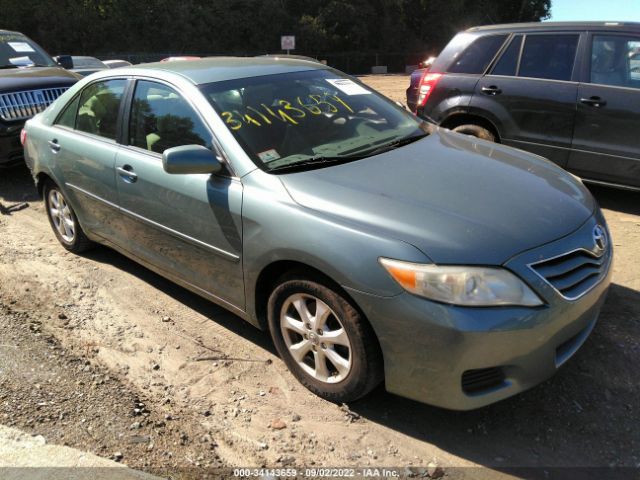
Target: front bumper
10, 149
433, 353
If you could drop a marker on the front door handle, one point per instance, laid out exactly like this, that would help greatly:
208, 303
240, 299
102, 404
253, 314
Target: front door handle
594, 101
491, 90
54, 145
127, 174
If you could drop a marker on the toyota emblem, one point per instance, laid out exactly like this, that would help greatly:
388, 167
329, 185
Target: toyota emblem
600, 238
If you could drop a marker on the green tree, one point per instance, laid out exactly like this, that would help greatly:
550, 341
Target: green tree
98, 27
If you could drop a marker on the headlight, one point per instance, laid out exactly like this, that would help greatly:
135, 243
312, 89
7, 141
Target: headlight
462, 285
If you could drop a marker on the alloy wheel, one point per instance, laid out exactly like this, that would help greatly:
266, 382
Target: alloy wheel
61, 216
316, 338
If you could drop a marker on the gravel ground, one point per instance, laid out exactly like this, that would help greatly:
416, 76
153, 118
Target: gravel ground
62, 395
99, 353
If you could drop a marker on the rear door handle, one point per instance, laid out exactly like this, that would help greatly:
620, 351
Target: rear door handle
594, 102
127, 174
491, 90
54, 145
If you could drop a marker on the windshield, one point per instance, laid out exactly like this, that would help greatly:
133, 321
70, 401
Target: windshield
87, 62
319, 116
16, 50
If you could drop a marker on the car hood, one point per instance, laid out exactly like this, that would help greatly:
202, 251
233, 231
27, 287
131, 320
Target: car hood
18, 79
458, 199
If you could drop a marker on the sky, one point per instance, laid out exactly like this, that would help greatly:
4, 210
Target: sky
599, 10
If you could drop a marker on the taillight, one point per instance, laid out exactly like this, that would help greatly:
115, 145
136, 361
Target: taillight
427, 84
23, 136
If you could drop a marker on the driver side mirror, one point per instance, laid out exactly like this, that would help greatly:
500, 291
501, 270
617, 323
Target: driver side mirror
190, 159
65, 61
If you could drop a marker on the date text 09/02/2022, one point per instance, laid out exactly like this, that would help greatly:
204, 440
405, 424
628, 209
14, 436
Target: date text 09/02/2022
318, 472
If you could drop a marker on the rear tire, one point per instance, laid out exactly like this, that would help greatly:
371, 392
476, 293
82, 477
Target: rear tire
63, 220
475, 131
325, 342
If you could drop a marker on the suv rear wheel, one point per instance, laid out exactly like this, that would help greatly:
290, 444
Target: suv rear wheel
475, 131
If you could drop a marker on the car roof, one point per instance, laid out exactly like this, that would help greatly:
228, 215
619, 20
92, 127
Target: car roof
218, 69
550, 26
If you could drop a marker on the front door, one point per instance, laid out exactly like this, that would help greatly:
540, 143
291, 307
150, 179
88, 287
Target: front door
605, 142
189, 226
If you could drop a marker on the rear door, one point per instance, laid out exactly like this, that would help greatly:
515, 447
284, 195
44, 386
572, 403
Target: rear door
463, 61
530, 93
83, 142
605, 141
189, 226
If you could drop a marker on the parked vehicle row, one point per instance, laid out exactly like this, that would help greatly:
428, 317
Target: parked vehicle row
567, 91
370, 243
30, 80
87, 65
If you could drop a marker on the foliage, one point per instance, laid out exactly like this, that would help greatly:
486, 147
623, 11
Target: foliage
254, 26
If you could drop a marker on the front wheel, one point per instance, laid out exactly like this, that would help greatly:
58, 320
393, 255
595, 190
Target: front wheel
63, 220
326, 343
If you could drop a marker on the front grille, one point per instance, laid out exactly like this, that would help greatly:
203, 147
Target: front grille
572, 274
24, 105
476, 381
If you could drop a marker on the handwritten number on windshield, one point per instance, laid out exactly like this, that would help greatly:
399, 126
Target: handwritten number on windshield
285, 111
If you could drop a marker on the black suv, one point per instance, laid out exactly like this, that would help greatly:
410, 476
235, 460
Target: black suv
567, 91
30, 80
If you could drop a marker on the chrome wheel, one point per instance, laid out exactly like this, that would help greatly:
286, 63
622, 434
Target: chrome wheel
61, 216
315, 338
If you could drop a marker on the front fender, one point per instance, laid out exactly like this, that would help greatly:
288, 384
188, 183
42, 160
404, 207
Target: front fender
275, 229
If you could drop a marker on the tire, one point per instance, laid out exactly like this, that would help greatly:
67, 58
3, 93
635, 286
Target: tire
347, 346
63, 220
475, 131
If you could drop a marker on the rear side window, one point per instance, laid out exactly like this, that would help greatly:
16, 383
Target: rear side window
68, 116
476, 57
508, 63
615, 60
548, 56
99, 107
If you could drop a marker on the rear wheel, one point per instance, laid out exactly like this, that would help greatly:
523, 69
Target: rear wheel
326, 343
475, 131
63, 220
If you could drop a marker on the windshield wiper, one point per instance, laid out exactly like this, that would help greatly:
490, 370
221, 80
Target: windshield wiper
318, 160
393, 145
321, 160
8, 65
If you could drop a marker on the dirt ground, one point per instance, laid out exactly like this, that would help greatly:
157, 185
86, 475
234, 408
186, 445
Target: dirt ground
98, 353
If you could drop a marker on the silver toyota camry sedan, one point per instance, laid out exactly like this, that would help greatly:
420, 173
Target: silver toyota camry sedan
372, 245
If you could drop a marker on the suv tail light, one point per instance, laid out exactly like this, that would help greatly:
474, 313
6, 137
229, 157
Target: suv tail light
23, 136
427, 84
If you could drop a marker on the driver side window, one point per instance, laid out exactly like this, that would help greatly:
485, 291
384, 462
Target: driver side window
162, 119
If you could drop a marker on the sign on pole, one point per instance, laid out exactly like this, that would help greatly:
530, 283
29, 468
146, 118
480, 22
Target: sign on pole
288, 42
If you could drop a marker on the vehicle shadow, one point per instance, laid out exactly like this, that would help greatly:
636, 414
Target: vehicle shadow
574, 419
199, 304
16, 186
625, 201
